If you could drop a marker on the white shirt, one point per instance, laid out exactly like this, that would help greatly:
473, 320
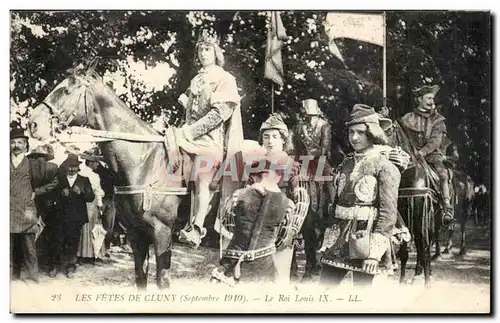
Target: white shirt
71, 179
16, 160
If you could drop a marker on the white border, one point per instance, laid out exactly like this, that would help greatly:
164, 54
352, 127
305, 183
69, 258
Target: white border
189, 4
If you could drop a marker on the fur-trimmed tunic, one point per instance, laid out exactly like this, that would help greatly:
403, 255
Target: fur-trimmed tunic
367, 184
427, 131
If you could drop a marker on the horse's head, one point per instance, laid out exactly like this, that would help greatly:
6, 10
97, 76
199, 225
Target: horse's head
67, 105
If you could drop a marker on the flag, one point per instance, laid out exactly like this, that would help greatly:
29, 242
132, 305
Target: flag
368, 28
276, 34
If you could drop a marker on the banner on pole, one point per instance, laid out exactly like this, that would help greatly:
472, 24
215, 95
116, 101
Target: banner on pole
276, 34
363, 27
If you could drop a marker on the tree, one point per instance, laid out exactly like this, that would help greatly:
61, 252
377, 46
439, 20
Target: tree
451, 49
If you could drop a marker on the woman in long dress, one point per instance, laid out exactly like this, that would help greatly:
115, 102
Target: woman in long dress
85, 248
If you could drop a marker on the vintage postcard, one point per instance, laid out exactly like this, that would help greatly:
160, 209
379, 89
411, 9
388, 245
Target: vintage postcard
250, 161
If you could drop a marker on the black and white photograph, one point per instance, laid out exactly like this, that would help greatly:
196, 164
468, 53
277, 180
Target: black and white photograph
250, 161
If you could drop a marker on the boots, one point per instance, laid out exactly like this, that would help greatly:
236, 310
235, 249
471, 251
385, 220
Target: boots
193, 237
446, 205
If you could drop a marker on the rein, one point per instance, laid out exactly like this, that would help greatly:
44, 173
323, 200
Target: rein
91, 135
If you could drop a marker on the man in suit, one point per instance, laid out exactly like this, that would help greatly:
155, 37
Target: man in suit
46, 204
29, 179
74, 192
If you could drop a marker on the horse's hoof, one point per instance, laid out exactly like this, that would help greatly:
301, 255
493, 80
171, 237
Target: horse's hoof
462, 252
419, 279
141, 287
163, 281
436, 257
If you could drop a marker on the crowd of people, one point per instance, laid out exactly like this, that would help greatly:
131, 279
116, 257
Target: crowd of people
353, 217
57, 213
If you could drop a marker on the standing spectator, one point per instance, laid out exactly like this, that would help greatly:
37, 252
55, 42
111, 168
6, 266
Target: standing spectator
29, 179
93, 160
46, 204
74, 193
86, 249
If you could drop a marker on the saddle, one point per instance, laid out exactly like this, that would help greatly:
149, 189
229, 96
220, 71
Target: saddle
172, 148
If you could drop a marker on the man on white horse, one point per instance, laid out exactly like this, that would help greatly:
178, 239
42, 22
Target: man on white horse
212, 131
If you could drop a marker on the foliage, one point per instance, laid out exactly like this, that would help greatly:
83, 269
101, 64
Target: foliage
148, 58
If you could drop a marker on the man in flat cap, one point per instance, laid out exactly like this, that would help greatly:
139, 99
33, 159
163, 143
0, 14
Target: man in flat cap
426, 129
74, 192
364, 208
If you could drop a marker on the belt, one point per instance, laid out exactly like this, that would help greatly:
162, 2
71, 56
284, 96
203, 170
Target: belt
356, 212
247, 255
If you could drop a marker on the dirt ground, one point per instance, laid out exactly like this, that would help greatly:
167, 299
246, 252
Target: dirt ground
468, 274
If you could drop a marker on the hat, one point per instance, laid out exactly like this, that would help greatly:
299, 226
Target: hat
426, 89
275, 121
17, 133
72, 160
362, 113
92, 154
311, 107
45, 151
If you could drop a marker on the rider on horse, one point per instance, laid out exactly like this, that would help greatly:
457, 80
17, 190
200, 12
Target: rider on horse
213, 130
426, 129
365, 206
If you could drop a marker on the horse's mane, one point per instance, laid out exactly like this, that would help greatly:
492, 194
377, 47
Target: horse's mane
97, 85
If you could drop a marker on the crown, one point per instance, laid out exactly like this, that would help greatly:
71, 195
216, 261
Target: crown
207, 38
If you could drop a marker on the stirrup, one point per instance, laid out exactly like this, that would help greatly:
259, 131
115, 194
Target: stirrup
447, 217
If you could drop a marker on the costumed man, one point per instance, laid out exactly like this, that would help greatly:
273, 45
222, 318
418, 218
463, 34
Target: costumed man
212, 132
258, 213
275, 138
30, 180
425, 128
313, 140
273, 143
365, 204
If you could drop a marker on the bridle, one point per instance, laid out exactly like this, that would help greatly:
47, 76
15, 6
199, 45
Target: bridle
57, 124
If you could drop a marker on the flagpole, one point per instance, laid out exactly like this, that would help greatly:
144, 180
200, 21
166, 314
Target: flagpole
272, 97
384, 93
272, 82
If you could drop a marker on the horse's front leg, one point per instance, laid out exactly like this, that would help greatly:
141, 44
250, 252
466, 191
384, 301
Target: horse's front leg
311, 240
403, 256
437, 229
162, 236
463, 249
140, 246
449, 240
427, 266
